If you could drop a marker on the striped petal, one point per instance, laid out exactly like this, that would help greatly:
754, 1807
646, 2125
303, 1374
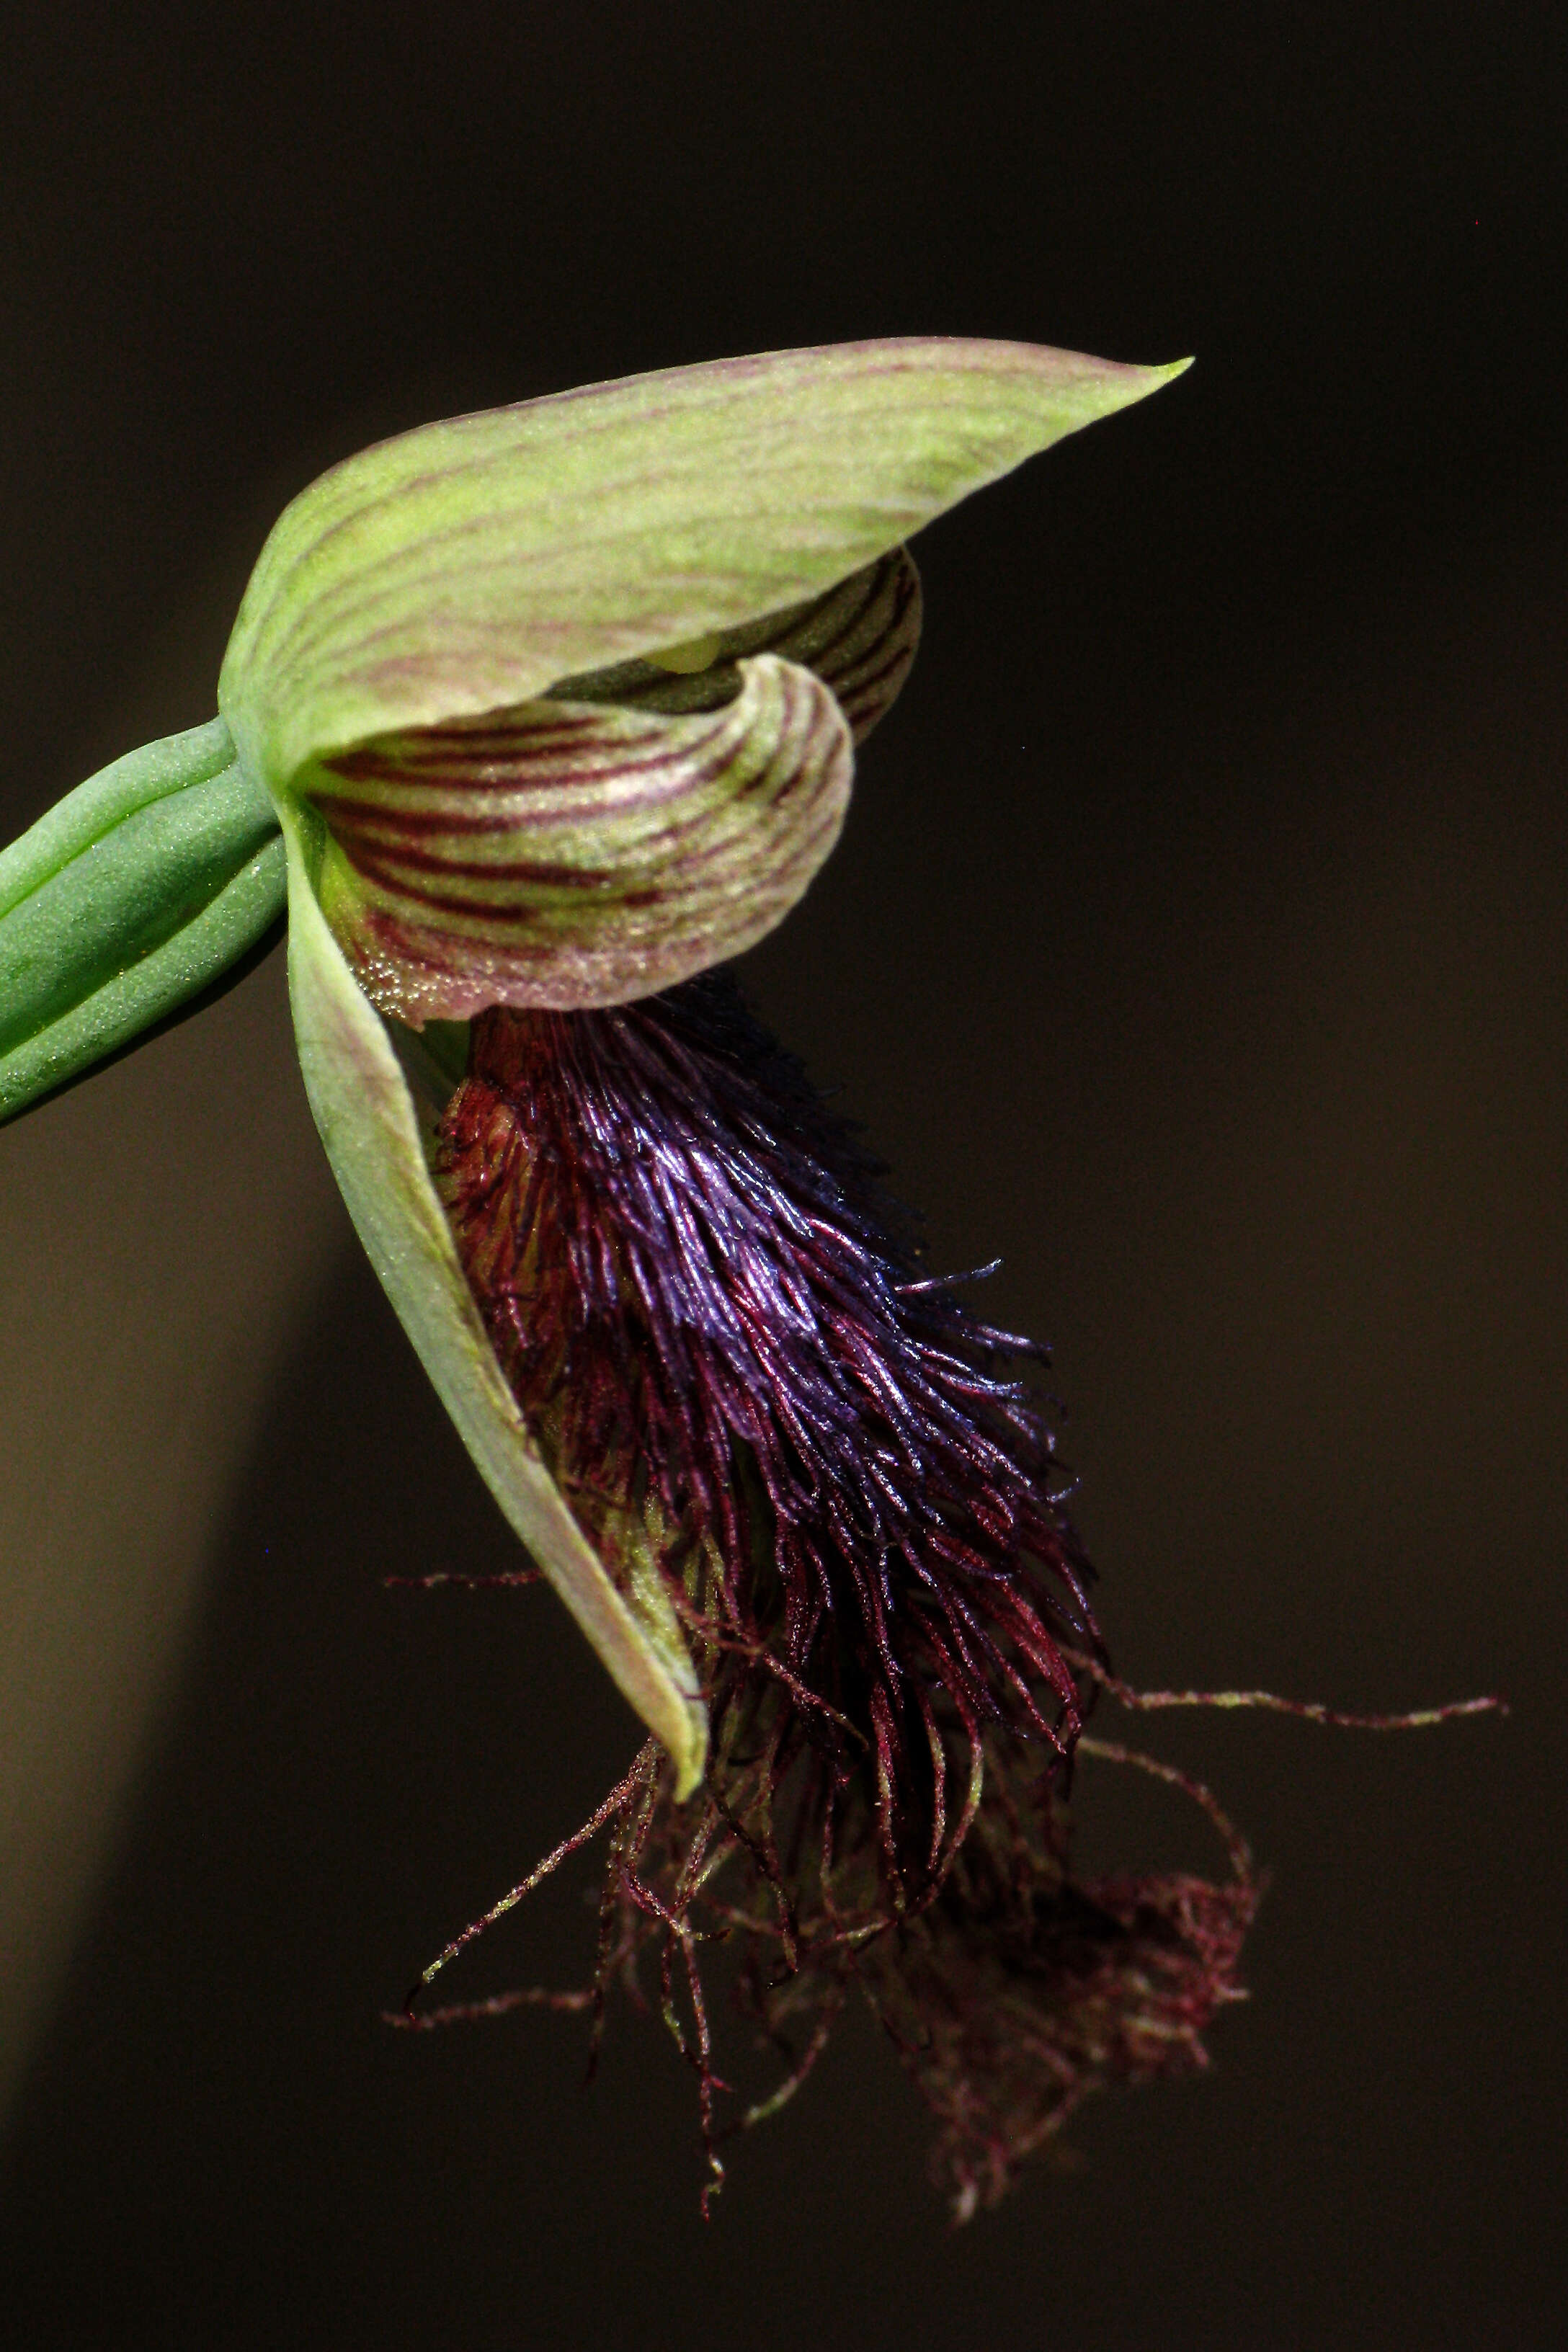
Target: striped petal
861, 639
568, 854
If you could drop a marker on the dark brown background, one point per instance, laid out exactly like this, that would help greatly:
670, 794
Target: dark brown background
1196, 943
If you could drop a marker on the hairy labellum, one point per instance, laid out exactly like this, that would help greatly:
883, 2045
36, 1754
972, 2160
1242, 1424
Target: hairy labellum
743, 1380
758, 1405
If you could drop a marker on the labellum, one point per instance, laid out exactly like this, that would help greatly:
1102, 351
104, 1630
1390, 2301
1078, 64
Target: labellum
760, 1404
737, 1366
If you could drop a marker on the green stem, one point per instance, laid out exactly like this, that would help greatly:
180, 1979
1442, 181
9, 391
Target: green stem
150, 885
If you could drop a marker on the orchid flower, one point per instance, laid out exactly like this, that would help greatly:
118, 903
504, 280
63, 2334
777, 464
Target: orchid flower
553, 706
533, 719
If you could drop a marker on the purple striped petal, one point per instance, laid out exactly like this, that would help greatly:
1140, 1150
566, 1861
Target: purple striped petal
564, 854
861, 639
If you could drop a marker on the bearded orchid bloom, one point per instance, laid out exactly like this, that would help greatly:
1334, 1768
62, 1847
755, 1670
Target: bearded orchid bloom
553, 707
533, 719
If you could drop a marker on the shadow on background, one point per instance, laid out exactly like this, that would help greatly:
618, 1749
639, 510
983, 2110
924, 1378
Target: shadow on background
1196, 942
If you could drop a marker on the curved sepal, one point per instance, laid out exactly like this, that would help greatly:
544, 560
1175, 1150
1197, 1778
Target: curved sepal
365, 1112
567, 853
472, 564
141, 891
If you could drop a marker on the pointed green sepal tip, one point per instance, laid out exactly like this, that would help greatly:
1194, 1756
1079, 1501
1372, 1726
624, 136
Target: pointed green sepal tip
138, 894
471, 565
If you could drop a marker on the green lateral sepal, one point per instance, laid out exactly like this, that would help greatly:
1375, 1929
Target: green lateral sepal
367, 1119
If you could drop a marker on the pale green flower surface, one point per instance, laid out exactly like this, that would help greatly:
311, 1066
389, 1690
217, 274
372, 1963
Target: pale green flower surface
474, 563
550, 706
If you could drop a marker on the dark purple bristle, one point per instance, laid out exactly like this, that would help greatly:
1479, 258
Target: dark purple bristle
718, 1327
704, 1300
